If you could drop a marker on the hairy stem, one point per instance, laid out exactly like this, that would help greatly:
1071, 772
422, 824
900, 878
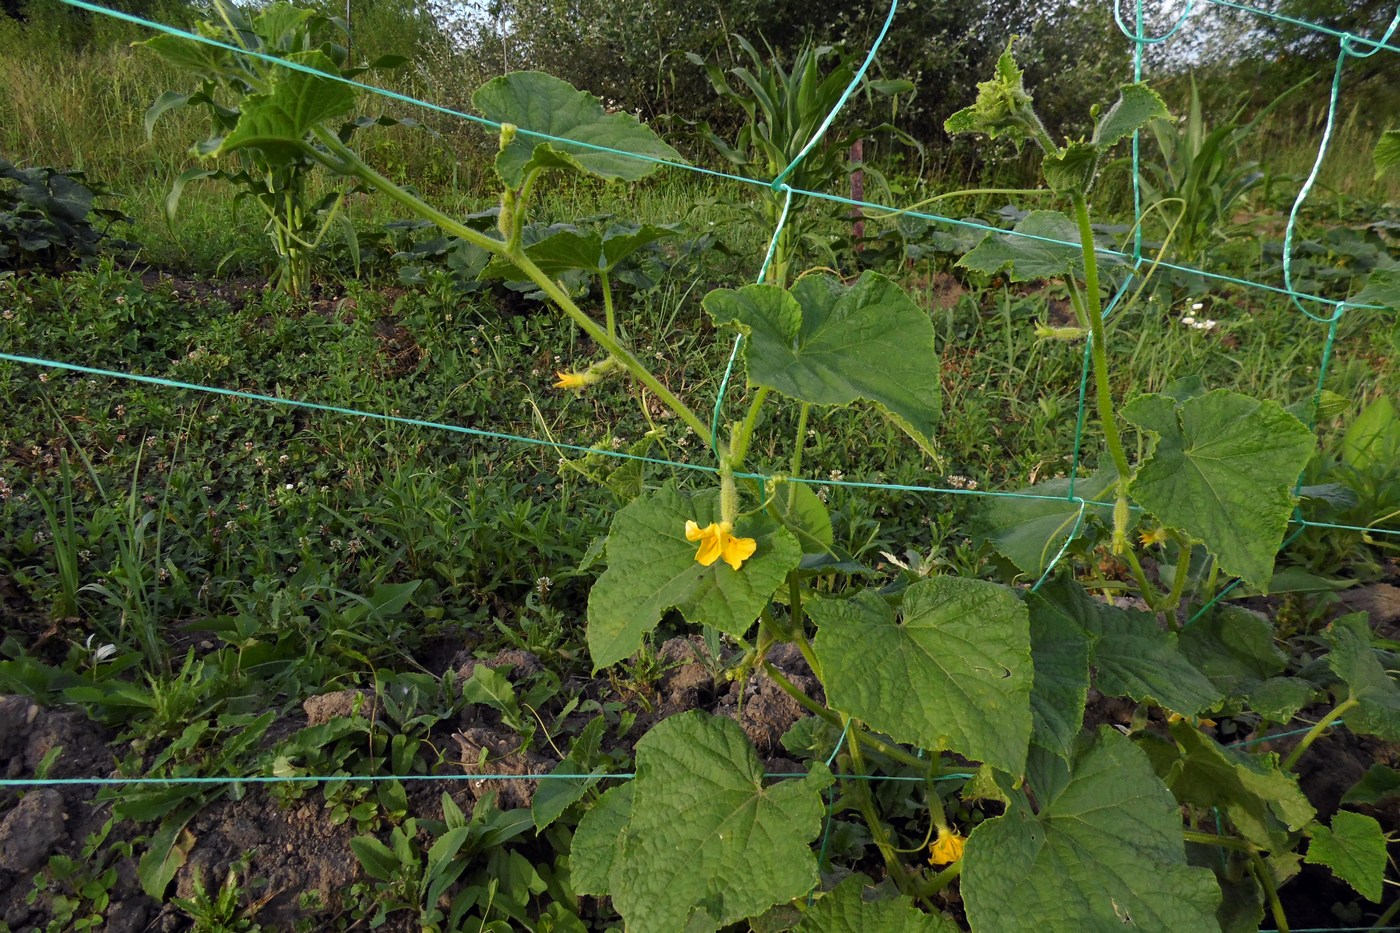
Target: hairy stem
816, 709
1103, 390
1224, 842
1322, 726
351, 164
609, 316
739, 443
1266, 881
941, 880
799, 444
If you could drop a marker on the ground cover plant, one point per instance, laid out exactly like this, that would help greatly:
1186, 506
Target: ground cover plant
1100, 700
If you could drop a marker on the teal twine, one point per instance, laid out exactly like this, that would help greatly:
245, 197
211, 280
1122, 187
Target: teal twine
1100, 250
1375, 45
845, 96
840, 743
739, 338
374, 778
496, 435
1278, 735
301, 779
1136, 34
1347, 48
127, 17
339, 410
1138, 46
1073, 533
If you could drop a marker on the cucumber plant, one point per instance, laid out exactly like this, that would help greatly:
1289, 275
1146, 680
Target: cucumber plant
1087, 827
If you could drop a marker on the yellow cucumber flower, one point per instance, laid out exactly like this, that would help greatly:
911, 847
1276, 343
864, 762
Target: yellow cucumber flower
947, 848
716, 541
1156, 536
575, 381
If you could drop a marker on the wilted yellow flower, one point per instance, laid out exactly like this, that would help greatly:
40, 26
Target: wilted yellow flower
947, 848
716, 541
576, 381
1156, 536
1199, 722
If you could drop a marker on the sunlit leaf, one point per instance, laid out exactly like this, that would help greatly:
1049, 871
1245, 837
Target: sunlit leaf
652, 568
279, 121
1354, 848
828, 344
1222, 472
1031, 254
953, 671
705, 841
532, 100
1136, 105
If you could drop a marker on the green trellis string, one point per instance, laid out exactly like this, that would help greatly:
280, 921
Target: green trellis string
1349, 42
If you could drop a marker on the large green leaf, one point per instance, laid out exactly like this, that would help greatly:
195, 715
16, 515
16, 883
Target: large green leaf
1222, 472
1354, 660
1071, 168
277, 122
1132, 655
1233, 647
1136, 105
1260, 799
706, 843
1354, 848
199, 57
532, 100
598, 840
566, 250
1387, 151
828, 344
1380, 784
1060, 650
845, 910
1027, 251
1372, 441
1030, 532
1382, 288
652, 568
1100, 850
954, 672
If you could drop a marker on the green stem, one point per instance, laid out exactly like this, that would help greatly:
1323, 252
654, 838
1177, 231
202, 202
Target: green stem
941, 880
610, 318
1322, 726
1179, 575
1103, 390
739, 443
816, 709
1146, 590
351, 164
1266, 881
866, 804
1224, 842
728, 493
1094, 311
798, 446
